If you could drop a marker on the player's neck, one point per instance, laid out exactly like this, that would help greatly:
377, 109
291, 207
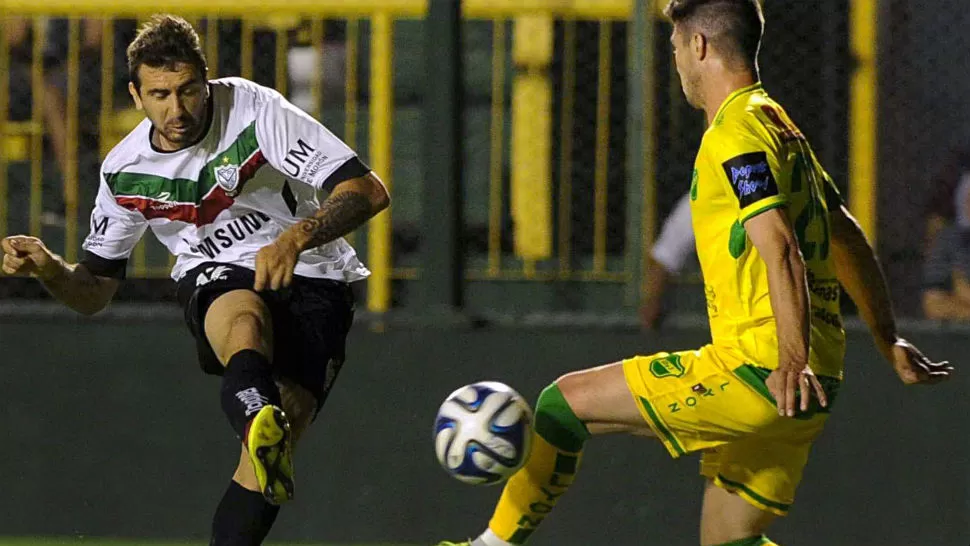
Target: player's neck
721, 86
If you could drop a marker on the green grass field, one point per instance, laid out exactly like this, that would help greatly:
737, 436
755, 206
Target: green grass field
95, 541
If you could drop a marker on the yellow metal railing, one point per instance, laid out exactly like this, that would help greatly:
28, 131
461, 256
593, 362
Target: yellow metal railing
862, 116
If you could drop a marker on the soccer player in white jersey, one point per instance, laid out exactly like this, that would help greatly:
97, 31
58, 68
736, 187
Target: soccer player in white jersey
252, 196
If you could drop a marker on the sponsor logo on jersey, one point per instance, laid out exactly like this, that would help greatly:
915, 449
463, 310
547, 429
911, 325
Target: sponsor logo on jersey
230, 234
99, 229
211, 274
668, 366
750, 177
163, 202
227, 176
303, 161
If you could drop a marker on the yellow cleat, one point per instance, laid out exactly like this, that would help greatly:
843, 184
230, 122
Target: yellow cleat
270, 451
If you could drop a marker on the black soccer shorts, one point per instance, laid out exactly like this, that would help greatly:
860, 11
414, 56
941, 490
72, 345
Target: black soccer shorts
311, 319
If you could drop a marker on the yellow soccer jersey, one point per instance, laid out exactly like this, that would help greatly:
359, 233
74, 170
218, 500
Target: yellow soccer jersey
752, 159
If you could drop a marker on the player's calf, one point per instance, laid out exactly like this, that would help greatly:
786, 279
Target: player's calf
532, 493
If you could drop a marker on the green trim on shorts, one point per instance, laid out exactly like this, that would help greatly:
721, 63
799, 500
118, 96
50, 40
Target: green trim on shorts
755, 377
661, 428
769, 503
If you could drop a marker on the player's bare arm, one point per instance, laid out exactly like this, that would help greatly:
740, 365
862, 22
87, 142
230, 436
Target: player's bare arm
71, 284
773, 236
351, 203
859, 273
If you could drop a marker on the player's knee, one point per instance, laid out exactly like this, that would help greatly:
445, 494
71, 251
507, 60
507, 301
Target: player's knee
574, 388
556, 421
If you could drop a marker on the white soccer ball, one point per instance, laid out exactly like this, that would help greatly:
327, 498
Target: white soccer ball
483, 433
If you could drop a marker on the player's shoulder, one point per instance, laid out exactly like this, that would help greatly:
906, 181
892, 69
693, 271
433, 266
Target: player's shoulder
739, 124
242, 92
129, 150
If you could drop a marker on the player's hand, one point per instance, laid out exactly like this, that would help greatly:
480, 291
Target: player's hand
914, 368
25, 256
783, 384
275, 263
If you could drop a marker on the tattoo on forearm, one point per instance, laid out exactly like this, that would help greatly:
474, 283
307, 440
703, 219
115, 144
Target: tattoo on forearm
338, 216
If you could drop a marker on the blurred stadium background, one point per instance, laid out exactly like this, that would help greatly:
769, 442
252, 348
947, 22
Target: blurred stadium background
532, 150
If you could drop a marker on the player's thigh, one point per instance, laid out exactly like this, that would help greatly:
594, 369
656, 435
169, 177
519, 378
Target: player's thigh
238, 320
696, 400
601, 398
726, 517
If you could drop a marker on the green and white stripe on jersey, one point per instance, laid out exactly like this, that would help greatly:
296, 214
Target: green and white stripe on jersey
194, 201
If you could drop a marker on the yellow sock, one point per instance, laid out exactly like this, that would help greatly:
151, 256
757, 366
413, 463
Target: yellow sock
532, 493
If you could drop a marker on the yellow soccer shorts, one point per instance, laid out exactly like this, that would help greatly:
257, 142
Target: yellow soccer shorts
712, 401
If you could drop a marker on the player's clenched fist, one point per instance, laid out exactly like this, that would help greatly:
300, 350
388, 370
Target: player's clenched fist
27, 257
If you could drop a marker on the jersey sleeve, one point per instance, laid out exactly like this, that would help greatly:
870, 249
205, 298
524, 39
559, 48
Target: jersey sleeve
752, 172
833, 197
299, 146
114, 233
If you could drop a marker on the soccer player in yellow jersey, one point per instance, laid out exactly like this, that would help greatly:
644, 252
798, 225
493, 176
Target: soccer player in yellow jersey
775, 243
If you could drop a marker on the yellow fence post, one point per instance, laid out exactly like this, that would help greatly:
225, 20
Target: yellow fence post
496, 148
381, 119
862, 116
531, 139
4, 86
602, 150
37, 126
71, 167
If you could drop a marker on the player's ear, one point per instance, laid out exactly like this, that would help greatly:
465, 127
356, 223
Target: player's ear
699, 45
133, 91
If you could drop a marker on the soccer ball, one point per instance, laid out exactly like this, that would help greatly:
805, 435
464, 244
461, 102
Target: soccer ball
483, 433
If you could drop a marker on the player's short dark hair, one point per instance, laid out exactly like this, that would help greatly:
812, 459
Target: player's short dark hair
734, 27
163, 42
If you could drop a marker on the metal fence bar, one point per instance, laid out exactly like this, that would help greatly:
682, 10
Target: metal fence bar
246, 49
862, 115
351, 83
316, 83
37, 126
566, 146
602, 157
212, 44
4, 112
71, 146
482, 9
497, 147
380, 130
282, 46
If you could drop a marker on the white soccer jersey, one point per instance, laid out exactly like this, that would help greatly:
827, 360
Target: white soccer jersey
262, 166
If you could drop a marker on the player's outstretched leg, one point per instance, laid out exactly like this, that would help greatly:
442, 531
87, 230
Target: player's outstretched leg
238, 328
566, 413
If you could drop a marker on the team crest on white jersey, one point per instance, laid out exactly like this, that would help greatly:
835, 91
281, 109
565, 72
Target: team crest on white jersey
227, 176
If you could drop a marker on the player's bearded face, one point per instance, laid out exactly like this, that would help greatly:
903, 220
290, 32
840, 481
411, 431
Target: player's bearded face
174, 99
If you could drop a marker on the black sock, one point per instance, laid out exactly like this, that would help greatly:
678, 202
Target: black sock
247, 386
243, 518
